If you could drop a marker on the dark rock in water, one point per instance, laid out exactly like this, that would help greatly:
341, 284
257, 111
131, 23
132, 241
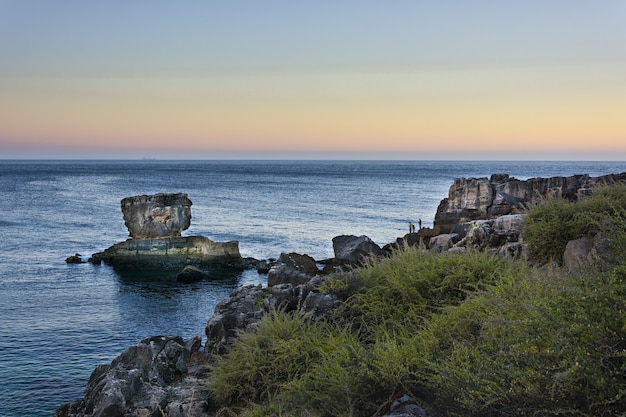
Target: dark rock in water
158, 374
75, 259
191, 274
487, 198
171, 254
355, 249
292, 268
158, 215
262, 266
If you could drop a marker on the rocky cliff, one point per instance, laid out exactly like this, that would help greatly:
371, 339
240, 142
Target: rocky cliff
487, 198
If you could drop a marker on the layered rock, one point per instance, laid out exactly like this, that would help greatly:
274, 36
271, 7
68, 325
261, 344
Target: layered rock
171, 253
486, 198
158, 215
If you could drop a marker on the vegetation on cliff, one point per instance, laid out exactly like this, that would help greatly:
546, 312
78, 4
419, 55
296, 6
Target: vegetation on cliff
464, 334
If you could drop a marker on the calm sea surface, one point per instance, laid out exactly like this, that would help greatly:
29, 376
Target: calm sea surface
59, 321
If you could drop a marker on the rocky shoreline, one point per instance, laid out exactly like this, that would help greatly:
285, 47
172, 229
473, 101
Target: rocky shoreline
166, 375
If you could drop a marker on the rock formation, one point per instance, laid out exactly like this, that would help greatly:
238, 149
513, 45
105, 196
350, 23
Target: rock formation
158, 215
170, 253
354, 249
162, 375
486, 198
292, 268
155, 223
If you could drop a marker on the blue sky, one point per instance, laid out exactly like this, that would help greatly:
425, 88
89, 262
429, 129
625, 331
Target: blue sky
399, 77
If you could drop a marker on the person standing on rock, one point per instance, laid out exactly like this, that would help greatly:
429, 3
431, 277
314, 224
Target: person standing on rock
411, 227
419, 223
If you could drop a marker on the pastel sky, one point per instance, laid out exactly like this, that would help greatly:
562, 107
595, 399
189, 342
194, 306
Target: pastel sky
416, 79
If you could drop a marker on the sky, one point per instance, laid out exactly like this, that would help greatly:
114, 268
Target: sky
396, 79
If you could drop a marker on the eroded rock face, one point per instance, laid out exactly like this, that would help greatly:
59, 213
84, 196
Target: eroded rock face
158, 215
487, 198
155, 375
240, 311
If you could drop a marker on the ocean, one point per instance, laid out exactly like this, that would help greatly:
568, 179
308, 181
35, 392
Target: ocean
58, 321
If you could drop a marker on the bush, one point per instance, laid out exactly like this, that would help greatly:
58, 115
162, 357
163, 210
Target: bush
398, 293
554, 222
537, 346
464, 334
302, 367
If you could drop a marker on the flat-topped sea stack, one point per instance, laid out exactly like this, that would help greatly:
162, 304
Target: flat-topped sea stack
155, 223
158, 215
487, 198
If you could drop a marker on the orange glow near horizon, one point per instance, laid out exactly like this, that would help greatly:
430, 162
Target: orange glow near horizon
454, 111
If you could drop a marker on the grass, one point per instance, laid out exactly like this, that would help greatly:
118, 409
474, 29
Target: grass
463, 334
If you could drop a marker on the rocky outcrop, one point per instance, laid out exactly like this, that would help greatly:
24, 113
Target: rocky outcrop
245, 307
162, 375
355, 249
171, 254
487, 198
292, 268
240, 311
155, 223
77, 258
158, 215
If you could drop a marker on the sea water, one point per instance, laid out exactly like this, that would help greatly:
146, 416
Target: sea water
58, 320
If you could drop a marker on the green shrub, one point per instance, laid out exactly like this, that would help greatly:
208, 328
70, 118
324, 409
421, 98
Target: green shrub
399, 292
302, 367
539, 346
464, 334
554, 222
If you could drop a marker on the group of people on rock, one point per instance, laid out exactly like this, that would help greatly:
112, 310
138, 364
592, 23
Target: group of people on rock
412, 226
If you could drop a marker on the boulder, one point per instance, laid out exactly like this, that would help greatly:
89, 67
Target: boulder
355, 249
191, 274
292, 268
240, 311
156, 374
158, 215
585, 251
171, 254
317, 305
75, 259
442, 243
487, 198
